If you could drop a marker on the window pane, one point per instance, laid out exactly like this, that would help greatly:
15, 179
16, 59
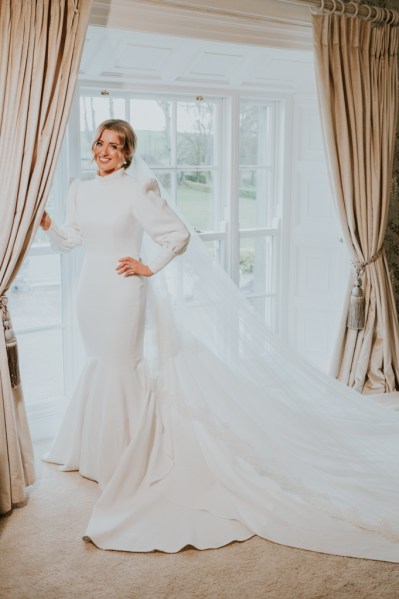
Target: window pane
266, 306
195, 198
195, 133
41, 365
165, 179
41, 238
215, 249
254, 197
151, 120
255, 139
35, 295
256, 265
93, 111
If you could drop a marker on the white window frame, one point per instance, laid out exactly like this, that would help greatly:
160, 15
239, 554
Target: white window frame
229, 234
227, 104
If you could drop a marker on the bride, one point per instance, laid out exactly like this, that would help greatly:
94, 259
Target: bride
199, 425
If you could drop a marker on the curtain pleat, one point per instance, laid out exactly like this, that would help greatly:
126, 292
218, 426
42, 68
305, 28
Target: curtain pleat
41, 43
357, 74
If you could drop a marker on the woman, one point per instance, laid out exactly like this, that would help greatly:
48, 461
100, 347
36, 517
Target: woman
232, 436
112, 412
109, 215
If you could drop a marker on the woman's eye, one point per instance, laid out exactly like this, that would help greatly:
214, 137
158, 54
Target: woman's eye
113, 147
98, 144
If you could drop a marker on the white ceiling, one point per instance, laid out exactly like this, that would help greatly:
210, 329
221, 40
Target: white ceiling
143, 60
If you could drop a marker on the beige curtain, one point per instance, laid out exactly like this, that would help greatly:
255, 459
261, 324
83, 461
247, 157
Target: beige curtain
356, 65
40, 48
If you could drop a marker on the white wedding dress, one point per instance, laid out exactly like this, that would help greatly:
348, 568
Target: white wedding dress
200, 427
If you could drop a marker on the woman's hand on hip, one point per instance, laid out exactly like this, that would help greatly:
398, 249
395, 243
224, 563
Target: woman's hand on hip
129, 267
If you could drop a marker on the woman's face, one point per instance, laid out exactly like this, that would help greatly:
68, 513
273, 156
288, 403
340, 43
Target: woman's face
107, 153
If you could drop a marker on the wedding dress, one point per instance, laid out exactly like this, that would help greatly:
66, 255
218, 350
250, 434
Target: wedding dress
199, 425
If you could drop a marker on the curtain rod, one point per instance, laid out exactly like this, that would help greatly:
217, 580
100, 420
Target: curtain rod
379, 16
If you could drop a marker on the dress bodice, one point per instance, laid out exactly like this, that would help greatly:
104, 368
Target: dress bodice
105, 218
109, 214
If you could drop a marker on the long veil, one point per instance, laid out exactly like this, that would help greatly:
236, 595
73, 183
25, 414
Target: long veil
316, 460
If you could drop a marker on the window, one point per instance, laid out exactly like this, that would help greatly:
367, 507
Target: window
232, 201
185, 142
36, 306
259, 202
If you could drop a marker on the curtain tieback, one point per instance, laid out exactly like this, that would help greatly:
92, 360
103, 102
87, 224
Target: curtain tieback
361, 266
357, 304
11, 343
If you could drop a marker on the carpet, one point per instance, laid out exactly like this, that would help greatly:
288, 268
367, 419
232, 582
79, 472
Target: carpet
42, 556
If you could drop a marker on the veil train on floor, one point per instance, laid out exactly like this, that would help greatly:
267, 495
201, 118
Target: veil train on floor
324, 457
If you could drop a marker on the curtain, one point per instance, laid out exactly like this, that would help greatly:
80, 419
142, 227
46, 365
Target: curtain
356, 68
41, 45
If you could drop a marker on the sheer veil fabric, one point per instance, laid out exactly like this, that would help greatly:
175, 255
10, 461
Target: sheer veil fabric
243, 422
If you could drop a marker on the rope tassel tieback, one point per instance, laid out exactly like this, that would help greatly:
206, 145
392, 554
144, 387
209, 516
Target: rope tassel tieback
357, 307
11, 344
357, 303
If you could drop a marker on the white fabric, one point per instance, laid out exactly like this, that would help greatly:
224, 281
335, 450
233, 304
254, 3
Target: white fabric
149, 210
199, 425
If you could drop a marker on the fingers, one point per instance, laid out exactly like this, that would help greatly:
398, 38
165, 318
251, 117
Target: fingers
45, 221
128, 267
128, 261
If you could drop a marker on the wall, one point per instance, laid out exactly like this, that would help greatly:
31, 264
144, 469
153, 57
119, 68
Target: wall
392, 235
250, 22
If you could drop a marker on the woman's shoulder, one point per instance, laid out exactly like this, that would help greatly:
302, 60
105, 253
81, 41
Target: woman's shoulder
82, 182
143, 186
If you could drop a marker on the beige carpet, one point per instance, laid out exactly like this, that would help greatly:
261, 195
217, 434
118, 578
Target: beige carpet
43, 557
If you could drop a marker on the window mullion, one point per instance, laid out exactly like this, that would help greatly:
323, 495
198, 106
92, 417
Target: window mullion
173, 149
233, 243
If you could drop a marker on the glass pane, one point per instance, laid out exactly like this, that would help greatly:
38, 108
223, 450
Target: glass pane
35, 295
266, 308
165, 179
41, 238
255, 206
195, 198
257, 265
195, 133
93, 111
41, 364
255, 138
151, 120
215, 249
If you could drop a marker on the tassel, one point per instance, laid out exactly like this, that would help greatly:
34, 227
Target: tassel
357, 304
11, 345
12, 354
357, 307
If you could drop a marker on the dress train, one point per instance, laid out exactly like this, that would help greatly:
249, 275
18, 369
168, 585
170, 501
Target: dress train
200, 426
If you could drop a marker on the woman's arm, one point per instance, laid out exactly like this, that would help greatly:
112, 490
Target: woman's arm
161, 223
65, 237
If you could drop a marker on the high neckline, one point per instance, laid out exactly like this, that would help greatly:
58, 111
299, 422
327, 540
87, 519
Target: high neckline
115, 175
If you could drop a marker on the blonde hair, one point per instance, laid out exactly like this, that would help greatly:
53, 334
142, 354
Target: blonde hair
126, 135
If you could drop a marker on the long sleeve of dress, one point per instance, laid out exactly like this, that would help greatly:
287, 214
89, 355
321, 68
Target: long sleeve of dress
67, 236
161, 223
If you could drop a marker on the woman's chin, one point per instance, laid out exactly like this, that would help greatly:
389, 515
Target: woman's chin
104, 170
107, 169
